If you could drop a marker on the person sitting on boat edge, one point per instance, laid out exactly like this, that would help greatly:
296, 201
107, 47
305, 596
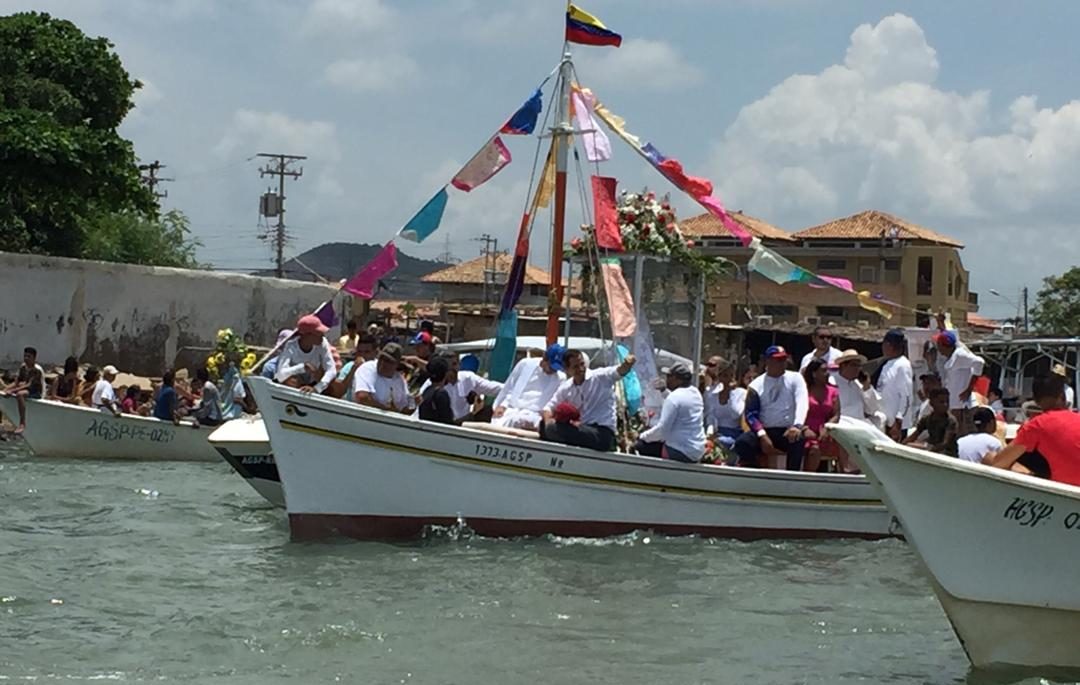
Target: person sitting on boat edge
29, 385
939, 426
531, 385
592, 393
464, 387
983, 443
679, 434
776, 407
435, 403
166, 406
104, 396
381, 385
724, 401
66, 386
1048, 445
208, 411
306, 361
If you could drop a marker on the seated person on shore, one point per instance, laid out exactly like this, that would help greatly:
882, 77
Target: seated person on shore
464, 387
381, 385
679, 434
724, 401
306, 361
29, 384
592, 394
939, 427
776, 407
104, 396
529, 388
983, 443
1047, 445
66, 386
208, 411
435, 403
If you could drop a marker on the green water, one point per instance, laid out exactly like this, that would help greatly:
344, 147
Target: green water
140, 572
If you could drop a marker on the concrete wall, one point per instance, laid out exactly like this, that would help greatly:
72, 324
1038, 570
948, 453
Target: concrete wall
138, 318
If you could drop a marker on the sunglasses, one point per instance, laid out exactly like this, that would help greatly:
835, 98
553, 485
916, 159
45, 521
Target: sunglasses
825, 337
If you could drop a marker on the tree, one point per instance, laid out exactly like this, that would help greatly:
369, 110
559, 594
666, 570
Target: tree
1057, 306
138, 239
63, 166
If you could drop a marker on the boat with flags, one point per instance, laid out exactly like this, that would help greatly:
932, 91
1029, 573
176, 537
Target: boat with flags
358, 471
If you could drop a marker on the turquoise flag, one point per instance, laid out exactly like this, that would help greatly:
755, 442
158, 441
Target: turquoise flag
427, 220
502, 357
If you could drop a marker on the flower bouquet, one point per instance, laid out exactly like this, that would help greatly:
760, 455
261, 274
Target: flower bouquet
229, 349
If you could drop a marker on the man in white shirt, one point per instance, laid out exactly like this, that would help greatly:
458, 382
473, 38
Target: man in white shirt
724, 403
679, 435
895, 383
307, 360
463, 387
381, 385
529, 388
976, 446
104, 396
854, 403
582, 411
823, 349
959, 369
776, 406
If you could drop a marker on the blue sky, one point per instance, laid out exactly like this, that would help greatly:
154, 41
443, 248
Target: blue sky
961, 116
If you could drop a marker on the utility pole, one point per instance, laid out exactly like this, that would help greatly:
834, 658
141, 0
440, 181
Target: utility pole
491, 256
151, 179
447, 257
1025, 309
280, 167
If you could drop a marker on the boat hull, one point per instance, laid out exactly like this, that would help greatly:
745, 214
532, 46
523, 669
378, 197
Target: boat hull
350, 470
55, 429
245, 445
1002, 549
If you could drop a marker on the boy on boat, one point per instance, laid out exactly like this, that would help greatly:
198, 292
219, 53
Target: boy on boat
940, 426
531, 385
29, 384
591, 396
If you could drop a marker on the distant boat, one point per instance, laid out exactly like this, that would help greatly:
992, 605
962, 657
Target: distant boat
1002, 549
58, 429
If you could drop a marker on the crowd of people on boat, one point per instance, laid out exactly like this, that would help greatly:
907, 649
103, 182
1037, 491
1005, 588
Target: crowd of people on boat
771, 415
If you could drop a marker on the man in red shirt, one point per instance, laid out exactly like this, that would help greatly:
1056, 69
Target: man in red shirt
1049, 444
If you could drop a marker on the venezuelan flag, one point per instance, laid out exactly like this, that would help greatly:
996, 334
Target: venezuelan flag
584, 28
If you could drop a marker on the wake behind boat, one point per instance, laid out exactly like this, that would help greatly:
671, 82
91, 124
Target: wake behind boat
1002, 549
359, 472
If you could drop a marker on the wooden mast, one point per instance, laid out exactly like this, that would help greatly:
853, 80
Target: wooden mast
562, 136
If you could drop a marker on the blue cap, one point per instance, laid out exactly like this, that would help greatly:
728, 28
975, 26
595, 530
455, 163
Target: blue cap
421, 337
554, 356
776, 352
469, 362
946, 337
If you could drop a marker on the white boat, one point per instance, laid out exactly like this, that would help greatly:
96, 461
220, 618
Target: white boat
1002, 548
56, 429
245, 444
359, 472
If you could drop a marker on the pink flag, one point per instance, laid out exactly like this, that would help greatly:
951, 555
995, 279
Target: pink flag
484, 164
366, 280
716, 208
597, 145
834, 281
605, 214
620, 302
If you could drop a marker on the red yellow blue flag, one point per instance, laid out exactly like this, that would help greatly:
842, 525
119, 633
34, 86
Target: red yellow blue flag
584, 28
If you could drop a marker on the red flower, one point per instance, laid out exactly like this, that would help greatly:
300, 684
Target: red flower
670, 228
576, 243
665, 205
689, 243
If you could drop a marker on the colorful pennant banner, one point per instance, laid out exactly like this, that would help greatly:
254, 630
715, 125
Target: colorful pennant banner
366, 280
489, 161
427, 220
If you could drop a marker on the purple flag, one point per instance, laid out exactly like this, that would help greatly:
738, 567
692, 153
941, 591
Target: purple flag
366, 280
326, 314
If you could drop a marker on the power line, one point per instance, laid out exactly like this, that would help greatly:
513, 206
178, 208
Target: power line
272, 204
151, 179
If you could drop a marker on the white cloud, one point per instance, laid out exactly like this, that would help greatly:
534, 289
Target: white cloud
639, 65
346, 17
874, 131
369, 74
252, 131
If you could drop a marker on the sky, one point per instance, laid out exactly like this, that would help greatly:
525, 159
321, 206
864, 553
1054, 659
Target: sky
961, 116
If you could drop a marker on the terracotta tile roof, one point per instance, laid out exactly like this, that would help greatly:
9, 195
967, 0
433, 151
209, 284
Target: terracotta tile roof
708, 226
872, 225
976, 321
472, 272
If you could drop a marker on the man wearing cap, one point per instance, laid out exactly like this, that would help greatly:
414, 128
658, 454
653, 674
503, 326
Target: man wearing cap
679, 434
104, 397
776, 406
379, 383
424, 345
959, 369
823, 349
1070, 395
464, 386
527, 391
592, 393
307, 360
895, 383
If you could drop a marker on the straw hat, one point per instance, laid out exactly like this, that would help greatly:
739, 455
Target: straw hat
850, 356
1060, 370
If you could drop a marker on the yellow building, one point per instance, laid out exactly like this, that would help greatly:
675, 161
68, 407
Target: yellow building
906, 263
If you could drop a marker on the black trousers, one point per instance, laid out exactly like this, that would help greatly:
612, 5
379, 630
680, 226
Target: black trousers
748, 448
587, 435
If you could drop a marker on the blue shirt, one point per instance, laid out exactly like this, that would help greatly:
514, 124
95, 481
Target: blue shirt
165, 402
